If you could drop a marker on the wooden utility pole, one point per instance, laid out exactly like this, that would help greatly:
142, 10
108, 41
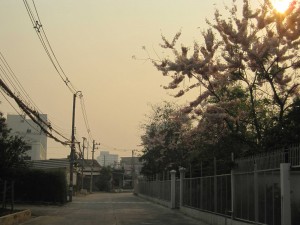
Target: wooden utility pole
72, 151
72, 154
92, 166
133, 168
82, 160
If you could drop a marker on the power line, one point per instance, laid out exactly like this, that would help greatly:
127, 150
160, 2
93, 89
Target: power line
37, 25
18, 112
11, 72
40, 31
116, 149
34, 115
85, 118
8, 72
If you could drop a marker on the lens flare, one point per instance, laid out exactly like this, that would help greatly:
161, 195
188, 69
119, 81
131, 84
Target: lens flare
281, 5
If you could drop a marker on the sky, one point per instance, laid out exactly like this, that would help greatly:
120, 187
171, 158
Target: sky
94, 42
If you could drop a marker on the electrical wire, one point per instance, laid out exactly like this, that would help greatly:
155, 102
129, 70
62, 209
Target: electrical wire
40, 31
7, 71
11, 72
17, 111
34, 116
85, 118
37, 25
116, 149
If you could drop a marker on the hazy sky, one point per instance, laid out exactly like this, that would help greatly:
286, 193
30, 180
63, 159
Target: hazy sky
94, 42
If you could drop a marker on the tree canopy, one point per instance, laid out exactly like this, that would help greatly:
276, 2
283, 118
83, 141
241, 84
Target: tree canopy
12, 151
246, 69
164, 139
245, 74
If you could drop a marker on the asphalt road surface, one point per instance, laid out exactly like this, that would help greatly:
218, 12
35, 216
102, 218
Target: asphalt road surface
107, 209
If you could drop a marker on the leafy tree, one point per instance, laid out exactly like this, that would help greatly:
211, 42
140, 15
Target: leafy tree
164, 139
246, 70
104, 181
12, 151
118, 176
286, 133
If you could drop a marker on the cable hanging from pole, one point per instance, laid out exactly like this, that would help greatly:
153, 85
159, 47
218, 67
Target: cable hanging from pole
34, 115
37, 25
39, 28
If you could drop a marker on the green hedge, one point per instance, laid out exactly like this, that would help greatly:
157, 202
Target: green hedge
41, 186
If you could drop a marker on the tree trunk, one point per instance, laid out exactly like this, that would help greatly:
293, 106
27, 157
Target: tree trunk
255, 120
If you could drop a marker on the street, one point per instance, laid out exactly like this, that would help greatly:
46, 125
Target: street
107, 209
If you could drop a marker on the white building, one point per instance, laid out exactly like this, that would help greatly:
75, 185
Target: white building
131, 165
31, 133
106, 159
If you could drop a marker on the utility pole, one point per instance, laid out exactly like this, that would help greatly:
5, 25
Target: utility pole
72, 154
133, 168
92, 168
87, 150
82, 162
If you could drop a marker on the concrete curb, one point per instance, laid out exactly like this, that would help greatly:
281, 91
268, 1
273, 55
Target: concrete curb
15, 218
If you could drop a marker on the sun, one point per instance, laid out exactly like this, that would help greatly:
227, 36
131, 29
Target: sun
281, 5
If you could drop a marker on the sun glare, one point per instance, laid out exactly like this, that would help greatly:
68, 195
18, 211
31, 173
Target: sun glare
281, 5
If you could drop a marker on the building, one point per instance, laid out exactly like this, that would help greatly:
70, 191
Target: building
31, 133
54, 164
106, 159
131, 165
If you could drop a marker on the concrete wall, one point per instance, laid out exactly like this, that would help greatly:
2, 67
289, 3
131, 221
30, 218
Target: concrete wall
158, 201
205, 218
16, 218
212, 219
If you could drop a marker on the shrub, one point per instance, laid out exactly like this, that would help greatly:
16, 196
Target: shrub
47, 186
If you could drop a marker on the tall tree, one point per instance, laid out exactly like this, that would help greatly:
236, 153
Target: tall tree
12, 151
287, 133
246, 70
164, 139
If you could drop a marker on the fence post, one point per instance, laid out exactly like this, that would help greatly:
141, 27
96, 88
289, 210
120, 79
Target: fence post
201, 187
173, 191
215, 186
255, 192
182, 175
232, 188
136, 186
285, 193
4, 194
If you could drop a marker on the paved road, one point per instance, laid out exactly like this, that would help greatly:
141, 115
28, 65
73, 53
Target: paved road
108, 209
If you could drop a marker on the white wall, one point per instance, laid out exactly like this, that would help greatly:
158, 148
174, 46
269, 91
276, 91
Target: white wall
31, 133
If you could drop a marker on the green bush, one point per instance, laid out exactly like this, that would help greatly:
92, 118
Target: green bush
103, 181
47, 186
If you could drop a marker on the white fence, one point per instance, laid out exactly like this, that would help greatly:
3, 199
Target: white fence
260, 190
156, 189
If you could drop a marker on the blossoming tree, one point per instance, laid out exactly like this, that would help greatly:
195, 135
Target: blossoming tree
246, 70
163, 142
